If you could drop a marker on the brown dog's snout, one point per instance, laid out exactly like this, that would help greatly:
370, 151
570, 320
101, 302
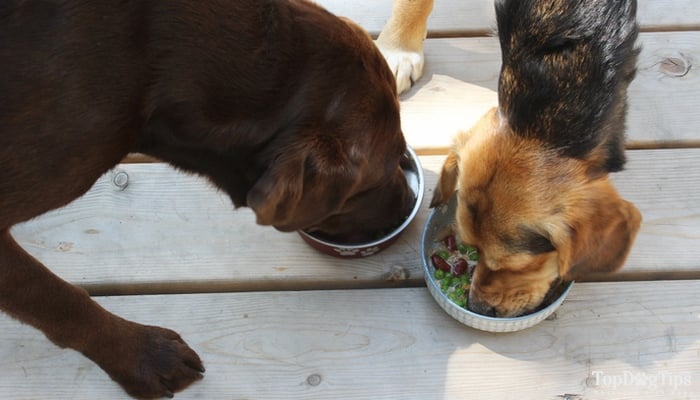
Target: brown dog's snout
370, 213
394, 205
408, 197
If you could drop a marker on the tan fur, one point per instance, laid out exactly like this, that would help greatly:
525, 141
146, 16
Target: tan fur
407, 25
507, 183
401, 40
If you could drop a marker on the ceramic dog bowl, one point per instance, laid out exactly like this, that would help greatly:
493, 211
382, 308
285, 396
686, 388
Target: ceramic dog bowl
414, 177
437, 219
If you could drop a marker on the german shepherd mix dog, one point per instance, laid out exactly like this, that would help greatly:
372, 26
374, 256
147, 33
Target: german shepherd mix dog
288, 109
532, 175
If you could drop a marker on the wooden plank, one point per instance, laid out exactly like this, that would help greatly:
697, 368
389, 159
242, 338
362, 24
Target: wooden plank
607, 341
170, 232
461, 80
477, 17
665, 186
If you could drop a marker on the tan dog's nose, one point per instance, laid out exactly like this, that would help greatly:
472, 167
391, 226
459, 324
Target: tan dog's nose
478, 305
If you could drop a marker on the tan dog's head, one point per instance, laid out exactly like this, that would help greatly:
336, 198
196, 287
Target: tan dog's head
536, 217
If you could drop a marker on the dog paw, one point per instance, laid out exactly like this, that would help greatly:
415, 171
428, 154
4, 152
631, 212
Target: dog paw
152, 363
407, 66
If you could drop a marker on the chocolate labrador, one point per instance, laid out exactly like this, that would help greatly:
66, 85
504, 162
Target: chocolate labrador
288, 109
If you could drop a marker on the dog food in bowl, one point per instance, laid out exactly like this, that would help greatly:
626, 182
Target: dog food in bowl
454, 264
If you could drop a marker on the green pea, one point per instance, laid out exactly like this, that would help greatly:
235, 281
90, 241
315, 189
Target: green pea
444, 254
463, 248
471, 252
439, 274
444, 285
459, 299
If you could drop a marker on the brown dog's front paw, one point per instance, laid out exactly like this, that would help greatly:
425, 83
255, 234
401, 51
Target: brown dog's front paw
151, 362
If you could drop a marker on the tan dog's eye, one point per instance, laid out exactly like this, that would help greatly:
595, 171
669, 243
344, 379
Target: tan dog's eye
528, 240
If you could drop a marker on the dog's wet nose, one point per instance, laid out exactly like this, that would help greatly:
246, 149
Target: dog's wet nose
479, 306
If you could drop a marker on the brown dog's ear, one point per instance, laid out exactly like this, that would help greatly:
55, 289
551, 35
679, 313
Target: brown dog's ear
299, 189
448, 180
599, 237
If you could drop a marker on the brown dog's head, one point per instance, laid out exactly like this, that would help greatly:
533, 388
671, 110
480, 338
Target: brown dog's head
339, 174
289, 109
537, 218
345, 187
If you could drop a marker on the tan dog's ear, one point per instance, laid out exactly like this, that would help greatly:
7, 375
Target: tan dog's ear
299, 189
600, 235
448, 180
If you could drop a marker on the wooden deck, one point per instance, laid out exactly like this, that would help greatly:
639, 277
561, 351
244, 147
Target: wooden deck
167, 249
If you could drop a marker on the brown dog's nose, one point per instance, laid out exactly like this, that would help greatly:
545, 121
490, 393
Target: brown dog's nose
479, 306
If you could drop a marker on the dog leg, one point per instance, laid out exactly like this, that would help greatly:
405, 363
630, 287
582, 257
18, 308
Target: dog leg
401, 40
147, 361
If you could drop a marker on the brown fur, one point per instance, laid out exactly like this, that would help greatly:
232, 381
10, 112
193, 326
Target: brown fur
283, 106
532, 175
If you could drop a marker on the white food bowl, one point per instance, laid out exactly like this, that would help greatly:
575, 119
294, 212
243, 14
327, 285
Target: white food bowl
440, 217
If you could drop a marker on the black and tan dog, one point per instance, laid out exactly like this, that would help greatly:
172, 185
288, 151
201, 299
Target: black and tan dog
532, 175
285, 107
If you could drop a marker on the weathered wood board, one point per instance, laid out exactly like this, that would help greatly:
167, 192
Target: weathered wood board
638, 340
171, 232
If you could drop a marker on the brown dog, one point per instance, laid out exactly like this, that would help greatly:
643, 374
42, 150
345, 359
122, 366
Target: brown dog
282, 105
534, 194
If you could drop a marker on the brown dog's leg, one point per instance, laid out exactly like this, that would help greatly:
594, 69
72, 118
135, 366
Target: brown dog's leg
147, 361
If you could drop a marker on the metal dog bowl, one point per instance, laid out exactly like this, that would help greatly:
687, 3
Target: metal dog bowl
414, 177
440, 217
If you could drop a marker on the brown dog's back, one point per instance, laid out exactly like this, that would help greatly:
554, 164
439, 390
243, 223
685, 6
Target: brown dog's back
70, 79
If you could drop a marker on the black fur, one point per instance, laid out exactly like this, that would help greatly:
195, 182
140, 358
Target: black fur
566, 68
